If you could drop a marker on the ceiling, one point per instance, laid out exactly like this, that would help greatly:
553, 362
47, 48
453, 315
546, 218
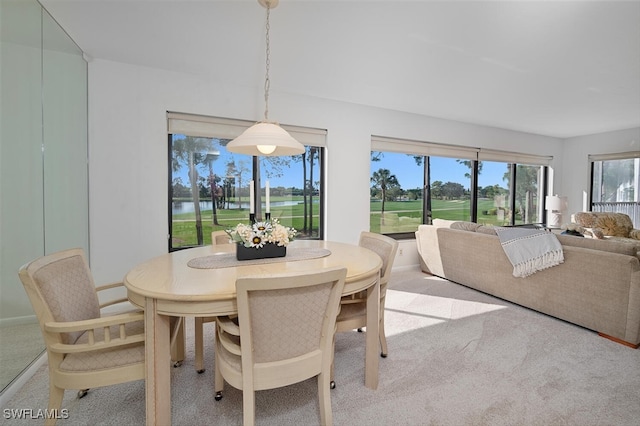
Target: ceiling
554, 68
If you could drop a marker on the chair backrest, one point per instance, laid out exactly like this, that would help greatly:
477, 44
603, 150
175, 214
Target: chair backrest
220, 237
383, 246
288, 316
61, 288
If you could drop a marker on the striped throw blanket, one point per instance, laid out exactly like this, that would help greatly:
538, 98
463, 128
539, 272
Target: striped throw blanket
530, 250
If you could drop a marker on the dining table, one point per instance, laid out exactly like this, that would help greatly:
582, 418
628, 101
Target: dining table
200, 282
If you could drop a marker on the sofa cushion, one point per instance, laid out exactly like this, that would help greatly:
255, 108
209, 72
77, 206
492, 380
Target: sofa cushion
484, 229
465, 226
628, 248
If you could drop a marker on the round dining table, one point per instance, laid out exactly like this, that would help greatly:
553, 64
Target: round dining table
180, 284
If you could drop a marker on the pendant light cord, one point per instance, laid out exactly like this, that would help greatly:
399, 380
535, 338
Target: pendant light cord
267, 82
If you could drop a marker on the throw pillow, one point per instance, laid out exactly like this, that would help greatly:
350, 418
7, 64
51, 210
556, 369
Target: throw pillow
609, 225
635, 234
443, 223
465, 226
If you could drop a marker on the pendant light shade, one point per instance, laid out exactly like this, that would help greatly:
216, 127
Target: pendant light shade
266, 139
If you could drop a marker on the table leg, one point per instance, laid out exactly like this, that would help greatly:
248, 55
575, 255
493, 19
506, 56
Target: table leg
373, 325
157, 375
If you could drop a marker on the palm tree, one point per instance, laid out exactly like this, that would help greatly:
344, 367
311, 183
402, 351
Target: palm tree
384, 180
192, 151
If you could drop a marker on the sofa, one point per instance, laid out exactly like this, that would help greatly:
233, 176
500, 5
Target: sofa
596, 287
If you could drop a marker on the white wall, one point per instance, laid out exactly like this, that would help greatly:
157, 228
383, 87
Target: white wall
575, 168
128, 153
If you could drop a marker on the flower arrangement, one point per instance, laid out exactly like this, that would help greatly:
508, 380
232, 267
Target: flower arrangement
260, 233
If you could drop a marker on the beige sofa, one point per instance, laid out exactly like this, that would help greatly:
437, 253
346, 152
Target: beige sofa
597, 286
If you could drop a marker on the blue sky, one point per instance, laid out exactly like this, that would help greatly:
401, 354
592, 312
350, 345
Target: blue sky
409, 174
403, 166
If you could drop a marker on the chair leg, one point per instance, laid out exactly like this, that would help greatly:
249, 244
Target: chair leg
382, 336
56, 395
383, 340
218, 380
324, 399
199, 345
248, 407
332, 383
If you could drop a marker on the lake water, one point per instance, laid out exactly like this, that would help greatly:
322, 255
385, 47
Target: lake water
178, 207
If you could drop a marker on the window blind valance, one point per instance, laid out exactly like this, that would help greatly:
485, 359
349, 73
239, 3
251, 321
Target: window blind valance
379, 143
615, 156
514, 157
228, 128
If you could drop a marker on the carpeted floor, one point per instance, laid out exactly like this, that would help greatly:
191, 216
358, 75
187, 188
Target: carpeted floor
456, 357
19, 346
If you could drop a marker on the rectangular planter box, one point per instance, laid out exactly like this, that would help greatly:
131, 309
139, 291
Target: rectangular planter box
268, 251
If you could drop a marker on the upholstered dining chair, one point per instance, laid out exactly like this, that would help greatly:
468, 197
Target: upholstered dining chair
84, 348
217, 238
353, 309
283, 334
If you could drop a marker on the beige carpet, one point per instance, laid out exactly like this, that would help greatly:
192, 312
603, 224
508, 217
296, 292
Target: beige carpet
19, 346
456, 357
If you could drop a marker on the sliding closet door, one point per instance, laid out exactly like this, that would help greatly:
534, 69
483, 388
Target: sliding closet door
43, 163
64, 106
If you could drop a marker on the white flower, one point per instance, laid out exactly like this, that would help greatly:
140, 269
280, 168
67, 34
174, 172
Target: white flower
261, 233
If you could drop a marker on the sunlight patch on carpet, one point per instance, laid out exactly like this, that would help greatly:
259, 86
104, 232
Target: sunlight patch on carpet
411, 311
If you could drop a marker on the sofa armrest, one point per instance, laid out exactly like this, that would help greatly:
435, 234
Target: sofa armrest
429, 250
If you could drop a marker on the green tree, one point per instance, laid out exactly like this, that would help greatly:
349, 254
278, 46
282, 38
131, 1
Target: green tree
452, 190
527, 181
469, 164
436, 189
191, 151
384, 180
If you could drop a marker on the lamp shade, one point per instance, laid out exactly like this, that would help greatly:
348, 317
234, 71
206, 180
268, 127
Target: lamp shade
265, 139
553, 202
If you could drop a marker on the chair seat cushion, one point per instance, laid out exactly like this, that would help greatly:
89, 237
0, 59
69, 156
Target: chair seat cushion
107, 358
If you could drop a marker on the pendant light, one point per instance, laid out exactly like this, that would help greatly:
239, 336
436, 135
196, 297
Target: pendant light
266, 138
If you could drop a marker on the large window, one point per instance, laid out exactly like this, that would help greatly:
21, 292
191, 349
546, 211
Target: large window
209, 186
615, 179
415, 182
509, 193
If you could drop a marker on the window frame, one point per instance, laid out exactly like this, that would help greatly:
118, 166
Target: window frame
630, 208
224, 128
475, 155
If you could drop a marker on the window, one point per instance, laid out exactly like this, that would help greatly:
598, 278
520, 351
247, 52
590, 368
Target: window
209, 186
615, 179
415, 182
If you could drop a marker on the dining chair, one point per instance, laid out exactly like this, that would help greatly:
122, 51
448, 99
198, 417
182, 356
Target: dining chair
86, 348
217, 238
283, 334
353, 308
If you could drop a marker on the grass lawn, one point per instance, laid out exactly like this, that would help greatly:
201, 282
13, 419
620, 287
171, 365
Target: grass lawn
184, 224
400, 216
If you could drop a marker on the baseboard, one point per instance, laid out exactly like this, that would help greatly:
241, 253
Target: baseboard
28, 319
622, 342
19, 381
405, 267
